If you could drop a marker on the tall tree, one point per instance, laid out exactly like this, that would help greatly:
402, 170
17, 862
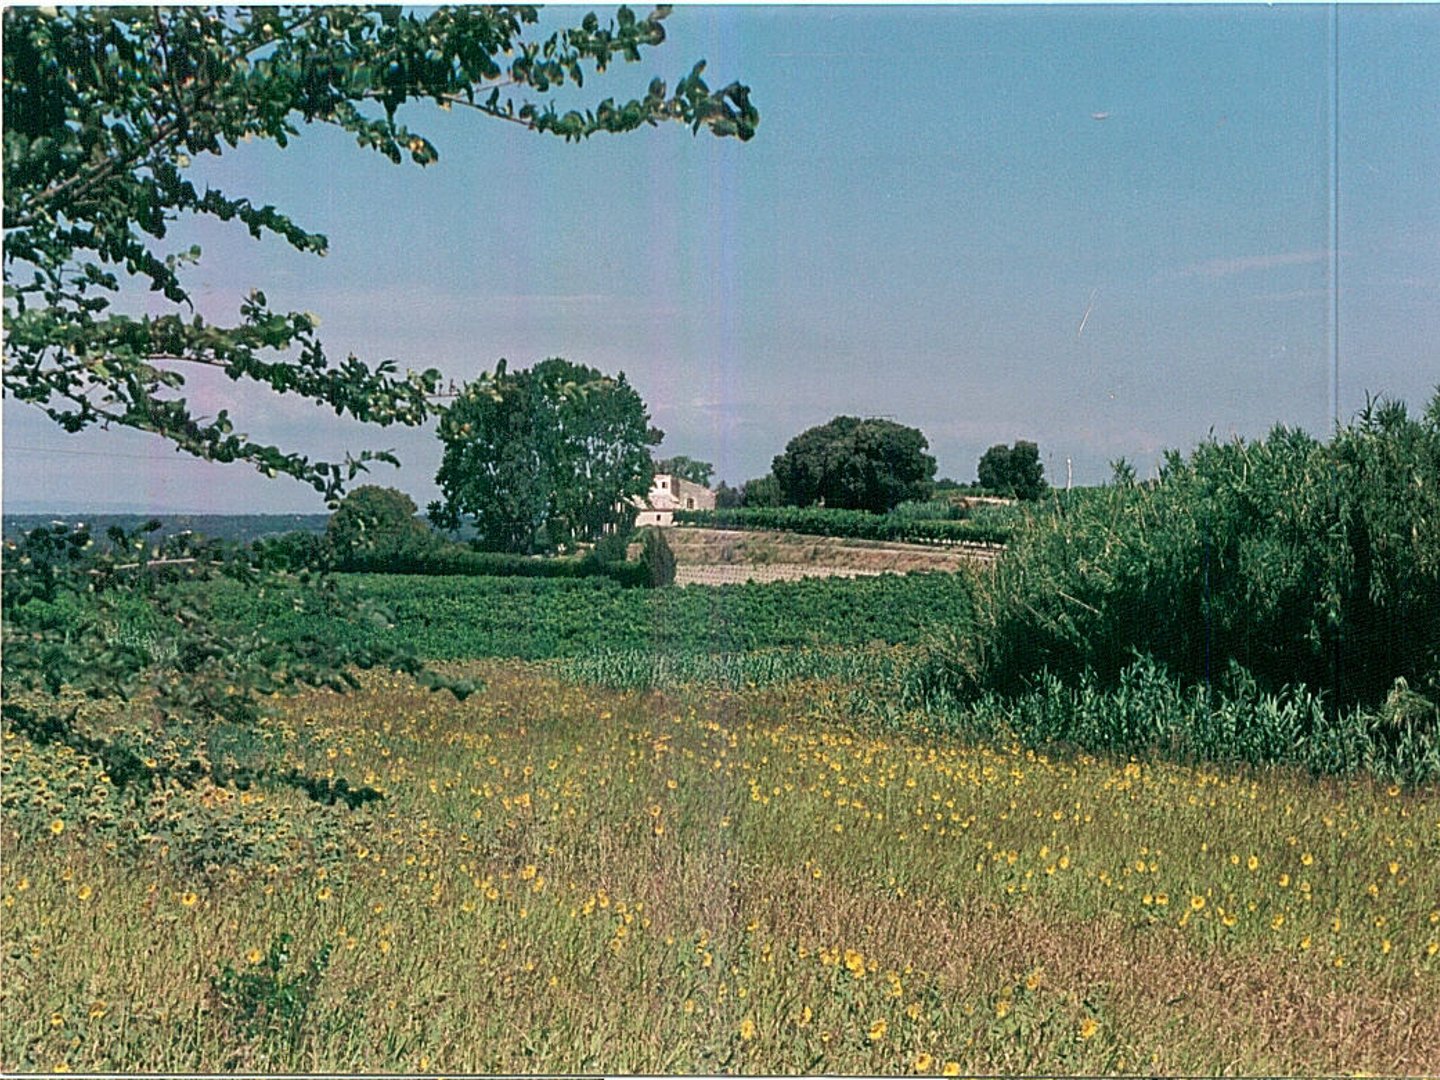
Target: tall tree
728, 498
855, 464
1013, 470
375, 522
761, 491
559, 446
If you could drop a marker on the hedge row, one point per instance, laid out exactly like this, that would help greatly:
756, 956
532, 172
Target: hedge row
856, 524
453, 560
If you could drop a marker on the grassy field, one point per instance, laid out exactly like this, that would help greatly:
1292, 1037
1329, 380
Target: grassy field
569, 879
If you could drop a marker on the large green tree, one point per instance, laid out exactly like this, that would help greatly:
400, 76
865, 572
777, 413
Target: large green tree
107, 115
560, 446
687, 468
855, 464
374, 522
1013, 470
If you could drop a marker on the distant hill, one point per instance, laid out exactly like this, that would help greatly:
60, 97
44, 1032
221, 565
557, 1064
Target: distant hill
240, 528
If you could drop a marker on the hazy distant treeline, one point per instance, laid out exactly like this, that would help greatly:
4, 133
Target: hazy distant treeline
238, 528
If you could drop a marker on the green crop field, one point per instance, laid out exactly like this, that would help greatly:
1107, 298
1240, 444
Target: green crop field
468, 618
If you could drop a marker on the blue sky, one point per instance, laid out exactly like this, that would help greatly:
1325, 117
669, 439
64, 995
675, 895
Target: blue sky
928, 212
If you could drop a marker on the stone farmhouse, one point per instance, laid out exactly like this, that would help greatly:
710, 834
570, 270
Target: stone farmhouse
670, 493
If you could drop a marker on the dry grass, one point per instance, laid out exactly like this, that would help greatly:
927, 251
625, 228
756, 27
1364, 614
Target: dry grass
570, 880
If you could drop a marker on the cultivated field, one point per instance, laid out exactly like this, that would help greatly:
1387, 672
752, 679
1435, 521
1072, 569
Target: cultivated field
565, 878
723, 556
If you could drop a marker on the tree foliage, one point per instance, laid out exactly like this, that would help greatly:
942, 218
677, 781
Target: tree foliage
726, 497
761, 491
1013, 470
686, 468
106, 111
1300, 561
376, 523
559, 447
855, 464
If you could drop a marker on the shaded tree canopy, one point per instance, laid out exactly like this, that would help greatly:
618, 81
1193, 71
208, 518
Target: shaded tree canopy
761, 491
559, 447
687, 468
855, 464
1013, 470
106, 110
374, 520
728, 498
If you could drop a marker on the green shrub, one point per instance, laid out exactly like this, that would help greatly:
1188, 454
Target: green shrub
292, 552
1305, 563
269, 1001
657, 558
456, 560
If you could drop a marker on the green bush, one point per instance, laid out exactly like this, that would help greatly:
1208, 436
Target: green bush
657, 558
455, 560
1306, 563
292, 552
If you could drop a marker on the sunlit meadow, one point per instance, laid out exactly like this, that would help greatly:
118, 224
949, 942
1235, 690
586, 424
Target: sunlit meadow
568, 879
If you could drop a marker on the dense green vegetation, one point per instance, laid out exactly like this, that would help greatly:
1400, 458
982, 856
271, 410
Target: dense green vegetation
987, 526
447, 618
1013, 470
1302, 561
543, 457
452, 560
855, 464
1279, 570
645, 669
1148, 711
